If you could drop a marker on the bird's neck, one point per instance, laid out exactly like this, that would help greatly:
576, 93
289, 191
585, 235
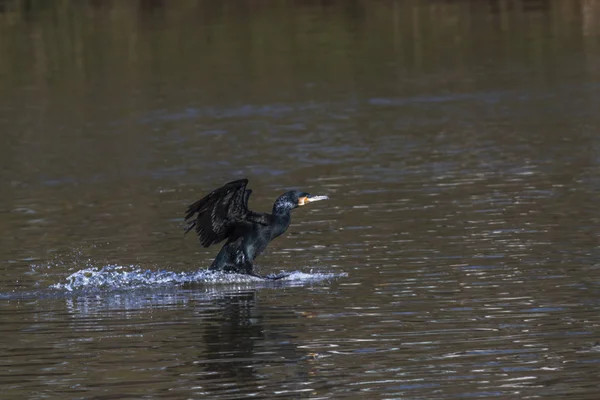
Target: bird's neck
281, 219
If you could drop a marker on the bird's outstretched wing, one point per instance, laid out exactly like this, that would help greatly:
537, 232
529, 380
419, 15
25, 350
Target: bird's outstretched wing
216, 215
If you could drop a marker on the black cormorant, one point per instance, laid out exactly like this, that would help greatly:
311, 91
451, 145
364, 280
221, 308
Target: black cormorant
224, 215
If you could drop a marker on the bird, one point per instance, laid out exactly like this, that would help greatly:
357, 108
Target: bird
223, 214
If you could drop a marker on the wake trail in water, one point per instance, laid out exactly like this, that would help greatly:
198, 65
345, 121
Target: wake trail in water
112, 277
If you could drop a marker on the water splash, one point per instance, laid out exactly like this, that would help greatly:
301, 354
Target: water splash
111, 277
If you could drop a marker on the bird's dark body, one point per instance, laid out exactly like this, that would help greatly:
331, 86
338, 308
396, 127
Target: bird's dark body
245, 244
224, 215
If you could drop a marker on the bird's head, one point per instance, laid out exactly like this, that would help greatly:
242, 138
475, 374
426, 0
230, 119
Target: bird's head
294, 199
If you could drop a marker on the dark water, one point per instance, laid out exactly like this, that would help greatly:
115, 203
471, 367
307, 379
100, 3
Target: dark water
458, 141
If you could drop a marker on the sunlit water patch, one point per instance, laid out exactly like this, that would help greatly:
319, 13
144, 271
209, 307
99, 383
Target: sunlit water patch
115, 277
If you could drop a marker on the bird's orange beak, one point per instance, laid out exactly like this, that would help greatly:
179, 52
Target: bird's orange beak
309, 199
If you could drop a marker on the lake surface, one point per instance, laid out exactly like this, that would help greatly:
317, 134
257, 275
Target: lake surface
458, 255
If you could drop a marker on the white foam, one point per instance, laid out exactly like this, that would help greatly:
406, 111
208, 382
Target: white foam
110, 277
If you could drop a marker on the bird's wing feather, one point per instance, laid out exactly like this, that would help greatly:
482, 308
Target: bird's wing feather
251, 216
216, 215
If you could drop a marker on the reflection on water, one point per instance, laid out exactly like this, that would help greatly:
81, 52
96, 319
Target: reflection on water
457, 141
